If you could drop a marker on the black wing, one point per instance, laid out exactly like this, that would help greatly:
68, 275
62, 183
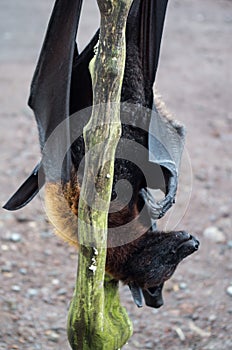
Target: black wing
50, 98
143, 33
165, 141
27, 191
166, 138
50, 88
57, 82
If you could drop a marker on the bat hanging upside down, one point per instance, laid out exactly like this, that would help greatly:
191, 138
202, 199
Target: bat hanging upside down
143, 257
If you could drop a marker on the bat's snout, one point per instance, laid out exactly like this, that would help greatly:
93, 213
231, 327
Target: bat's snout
188, 246
195, 243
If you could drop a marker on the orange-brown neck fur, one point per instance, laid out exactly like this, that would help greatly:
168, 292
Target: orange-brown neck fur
124, 225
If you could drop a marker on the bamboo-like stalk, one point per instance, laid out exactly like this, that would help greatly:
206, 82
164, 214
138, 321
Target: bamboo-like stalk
97, 321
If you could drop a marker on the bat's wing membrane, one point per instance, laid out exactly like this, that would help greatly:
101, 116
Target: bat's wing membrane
27, 191
50, 100
50, 88
61, 75
152, 23
144, 32
166, 138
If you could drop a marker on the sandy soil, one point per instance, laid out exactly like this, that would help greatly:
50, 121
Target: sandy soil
37, 270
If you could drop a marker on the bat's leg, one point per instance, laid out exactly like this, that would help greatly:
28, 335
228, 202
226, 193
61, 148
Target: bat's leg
157, 210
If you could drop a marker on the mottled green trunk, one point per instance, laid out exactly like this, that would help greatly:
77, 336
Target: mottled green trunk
97, 321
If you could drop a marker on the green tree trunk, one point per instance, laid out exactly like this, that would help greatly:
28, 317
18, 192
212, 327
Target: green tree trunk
97, 321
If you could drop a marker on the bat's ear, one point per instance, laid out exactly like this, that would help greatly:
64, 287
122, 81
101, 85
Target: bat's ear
137, 294
153, 296
27, 191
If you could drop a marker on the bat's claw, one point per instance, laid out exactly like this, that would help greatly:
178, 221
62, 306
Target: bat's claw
154, 208
158, 209
169, 199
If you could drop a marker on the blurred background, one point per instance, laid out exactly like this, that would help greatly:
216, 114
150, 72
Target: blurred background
37, 270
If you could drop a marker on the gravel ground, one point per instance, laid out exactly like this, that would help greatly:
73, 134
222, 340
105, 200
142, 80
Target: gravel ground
37, 270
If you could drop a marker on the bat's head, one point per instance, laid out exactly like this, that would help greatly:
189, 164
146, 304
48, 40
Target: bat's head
155, 262
159, 255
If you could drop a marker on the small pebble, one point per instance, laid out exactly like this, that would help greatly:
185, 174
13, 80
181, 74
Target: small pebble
62, 291
6, 268
183, 285
214, 234
46, 234
23, 271
212, 318
53, 273
31, 339
195, 317
229, 291
212, 218
32, 292
136, 344
37, 346
55, 282
155, 311
16, 288
201, 177
15, 237
48, 252
22, 218
224, 211
8, 274
32, 224
149, 345
228, 267
53, 336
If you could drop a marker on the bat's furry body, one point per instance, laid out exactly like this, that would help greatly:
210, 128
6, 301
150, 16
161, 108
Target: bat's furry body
145, 262
61, 87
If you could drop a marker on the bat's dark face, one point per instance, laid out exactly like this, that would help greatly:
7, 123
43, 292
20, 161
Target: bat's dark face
158, 257
147, 262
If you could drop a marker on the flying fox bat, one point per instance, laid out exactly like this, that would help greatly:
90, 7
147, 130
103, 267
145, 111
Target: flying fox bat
61, 87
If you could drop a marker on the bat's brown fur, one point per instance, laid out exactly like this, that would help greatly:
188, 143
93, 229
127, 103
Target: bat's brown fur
135, 253
124, 225
61, 208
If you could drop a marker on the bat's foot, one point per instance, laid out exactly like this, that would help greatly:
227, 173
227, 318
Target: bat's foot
158, 209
